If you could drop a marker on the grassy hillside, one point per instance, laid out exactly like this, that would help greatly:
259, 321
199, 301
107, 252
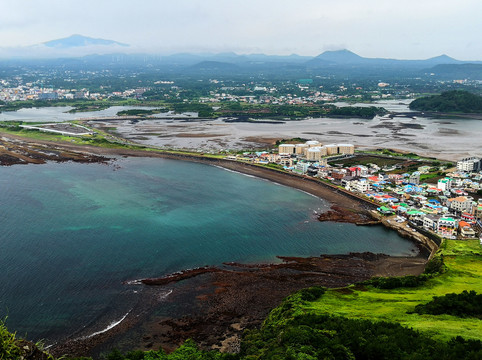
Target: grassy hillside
463, 260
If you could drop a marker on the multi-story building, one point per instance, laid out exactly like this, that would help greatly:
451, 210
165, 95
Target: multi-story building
466, 230
461, 204
286, 149
414, 178
331, 149
469, 164
348, 149
478, 212
447, 227
361, 186
444, 184
302, 167
430, 222
300, 149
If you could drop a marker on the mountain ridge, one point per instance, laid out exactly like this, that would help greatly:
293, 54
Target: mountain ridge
77, 40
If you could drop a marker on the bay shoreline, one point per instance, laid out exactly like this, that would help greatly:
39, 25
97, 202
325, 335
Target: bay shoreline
227, 301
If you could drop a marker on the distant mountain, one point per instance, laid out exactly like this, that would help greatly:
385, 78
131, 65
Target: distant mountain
443, 59
214, 66
343, 58
471, 71
338, 57
74, 41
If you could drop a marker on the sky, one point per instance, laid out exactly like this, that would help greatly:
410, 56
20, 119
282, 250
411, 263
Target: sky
408, 29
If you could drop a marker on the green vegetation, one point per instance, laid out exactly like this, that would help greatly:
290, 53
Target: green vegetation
456, 101
138, 112
12, 348
362, 321
297, 140
187, 351
9, 348
465, 304
291, 333
88, 107
463, 270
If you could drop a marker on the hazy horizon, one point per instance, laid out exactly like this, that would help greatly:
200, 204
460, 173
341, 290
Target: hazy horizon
373, 28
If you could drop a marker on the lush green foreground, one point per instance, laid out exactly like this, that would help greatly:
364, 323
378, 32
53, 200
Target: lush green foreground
464, 272
360, 321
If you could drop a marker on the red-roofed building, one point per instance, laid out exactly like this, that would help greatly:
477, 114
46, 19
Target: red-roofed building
466, 230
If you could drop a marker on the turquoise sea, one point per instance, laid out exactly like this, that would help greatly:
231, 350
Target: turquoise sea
72, 233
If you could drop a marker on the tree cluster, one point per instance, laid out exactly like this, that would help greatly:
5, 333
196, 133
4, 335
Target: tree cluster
450, 101
465, 304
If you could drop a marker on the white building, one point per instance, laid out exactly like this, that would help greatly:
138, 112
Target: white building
469, 164
444, 184
302, 167
361, 186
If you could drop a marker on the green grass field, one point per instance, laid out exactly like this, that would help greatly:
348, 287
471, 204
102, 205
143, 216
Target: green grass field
464, 272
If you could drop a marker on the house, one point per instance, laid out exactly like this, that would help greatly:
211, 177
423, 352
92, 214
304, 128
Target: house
361, 186
466, 230
447, 227
430, 222
414, 178
301, 167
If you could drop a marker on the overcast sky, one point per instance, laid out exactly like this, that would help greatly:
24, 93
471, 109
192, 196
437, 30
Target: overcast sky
408, 29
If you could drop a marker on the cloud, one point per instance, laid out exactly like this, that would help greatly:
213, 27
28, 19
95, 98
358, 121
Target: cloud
370, 27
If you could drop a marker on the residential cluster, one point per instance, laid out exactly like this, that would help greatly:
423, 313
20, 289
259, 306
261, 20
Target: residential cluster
32, 91
262, 95
447, 208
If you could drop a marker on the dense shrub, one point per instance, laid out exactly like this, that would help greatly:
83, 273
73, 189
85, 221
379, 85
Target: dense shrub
435, 266
397, 282
467, 303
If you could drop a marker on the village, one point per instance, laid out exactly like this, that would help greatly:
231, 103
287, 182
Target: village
447, 205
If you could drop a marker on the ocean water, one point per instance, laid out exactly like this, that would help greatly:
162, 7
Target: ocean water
71, 234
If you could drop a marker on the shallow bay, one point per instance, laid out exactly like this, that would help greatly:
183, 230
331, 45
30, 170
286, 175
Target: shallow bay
72, 233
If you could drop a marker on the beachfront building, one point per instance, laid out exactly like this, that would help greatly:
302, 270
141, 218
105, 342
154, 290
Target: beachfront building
447, 227
313, 143
348, 149
361, 186
315, 153
331, 149
286, 149
469, 164
301, 167
286, 161
300, 149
